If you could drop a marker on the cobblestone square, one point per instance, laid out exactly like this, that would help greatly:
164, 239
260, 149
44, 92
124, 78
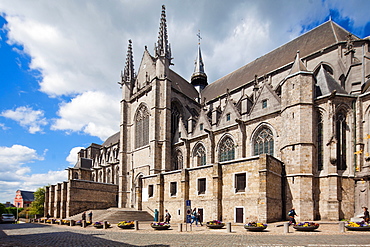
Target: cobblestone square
28, 234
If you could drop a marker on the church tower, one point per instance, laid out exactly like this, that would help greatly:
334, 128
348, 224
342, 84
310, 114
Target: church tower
199, 77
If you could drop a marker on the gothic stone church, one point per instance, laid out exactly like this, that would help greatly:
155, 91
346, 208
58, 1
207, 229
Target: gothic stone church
290, 129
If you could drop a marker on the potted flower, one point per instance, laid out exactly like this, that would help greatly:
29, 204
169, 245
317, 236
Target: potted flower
100, 224
306, 226
215, 224
160, 225
65, 222
255, 226
79, 223
358, 226
126, 224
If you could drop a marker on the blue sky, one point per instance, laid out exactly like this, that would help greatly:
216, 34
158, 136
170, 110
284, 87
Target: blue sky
60, 62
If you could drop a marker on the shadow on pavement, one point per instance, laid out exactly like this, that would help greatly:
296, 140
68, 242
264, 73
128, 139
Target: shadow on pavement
57, 238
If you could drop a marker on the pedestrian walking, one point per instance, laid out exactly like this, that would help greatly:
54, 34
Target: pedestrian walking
167, 216
156, 215
84, 216
291, 216
194, 216
366, 216
90, 216
199, 217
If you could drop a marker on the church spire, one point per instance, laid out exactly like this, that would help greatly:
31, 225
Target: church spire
128, 75
163, 48
199, 77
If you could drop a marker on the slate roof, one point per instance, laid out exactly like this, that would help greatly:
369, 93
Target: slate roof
183, 86
326, 84
84, 163
27, 196
111, 140
325, 35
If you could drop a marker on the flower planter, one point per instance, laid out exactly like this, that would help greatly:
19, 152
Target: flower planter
215, 224
255, 227
357, 226
160, 226
98, 226
306, 226
126, 226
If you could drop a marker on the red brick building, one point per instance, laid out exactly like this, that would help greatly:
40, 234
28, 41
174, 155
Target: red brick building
23, 199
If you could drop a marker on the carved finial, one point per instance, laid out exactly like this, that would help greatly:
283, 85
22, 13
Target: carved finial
163, 48
128, 75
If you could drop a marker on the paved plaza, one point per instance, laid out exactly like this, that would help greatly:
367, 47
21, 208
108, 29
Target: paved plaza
28, 234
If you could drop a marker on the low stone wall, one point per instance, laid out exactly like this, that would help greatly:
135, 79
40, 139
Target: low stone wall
85, 195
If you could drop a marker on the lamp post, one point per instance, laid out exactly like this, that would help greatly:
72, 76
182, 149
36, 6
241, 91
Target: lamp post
17, 212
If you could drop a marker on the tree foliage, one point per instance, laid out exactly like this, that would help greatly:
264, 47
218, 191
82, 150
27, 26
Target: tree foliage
37, 206
2, 208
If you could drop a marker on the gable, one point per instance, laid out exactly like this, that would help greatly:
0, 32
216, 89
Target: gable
202, 120
267, 102
229, 114
146, 71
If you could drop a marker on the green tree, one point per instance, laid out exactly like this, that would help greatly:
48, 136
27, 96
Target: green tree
37, 206
2, 208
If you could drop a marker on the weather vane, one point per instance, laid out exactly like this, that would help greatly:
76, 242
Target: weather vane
199, 38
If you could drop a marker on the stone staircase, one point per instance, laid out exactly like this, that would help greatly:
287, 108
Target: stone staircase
115, 215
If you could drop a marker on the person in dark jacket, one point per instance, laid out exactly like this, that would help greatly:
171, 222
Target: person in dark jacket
291, 216
366, 216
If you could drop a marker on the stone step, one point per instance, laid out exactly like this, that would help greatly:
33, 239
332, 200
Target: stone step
115, 215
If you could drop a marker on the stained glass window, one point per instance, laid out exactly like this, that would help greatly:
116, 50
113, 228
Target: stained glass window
227, 150
264, 142
142, 127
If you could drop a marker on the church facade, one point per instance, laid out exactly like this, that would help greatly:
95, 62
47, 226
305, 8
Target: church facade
290, 129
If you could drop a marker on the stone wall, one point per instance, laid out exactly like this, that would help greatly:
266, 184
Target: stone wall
85, 195
261, 200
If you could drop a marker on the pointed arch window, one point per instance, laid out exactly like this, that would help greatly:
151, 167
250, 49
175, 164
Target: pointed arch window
264, 142
175, 118
227, 150
117, 175
108, 176
177, 161
341, 127
142, 127
200, 155
320, 146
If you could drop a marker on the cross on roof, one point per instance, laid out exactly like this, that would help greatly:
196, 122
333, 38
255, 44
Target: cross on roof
199, 38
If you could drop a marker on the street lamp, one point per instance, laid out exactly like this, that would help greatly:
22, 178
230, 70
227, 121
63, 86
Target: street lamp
17, 212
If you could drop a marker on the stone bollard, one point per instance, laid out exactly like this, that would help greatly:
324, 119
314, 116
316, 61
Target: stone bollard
228, 227
341, 226
286, 227
61, 221
52, 221
105, 224
179, 227
83, 223
72, 223
136, 225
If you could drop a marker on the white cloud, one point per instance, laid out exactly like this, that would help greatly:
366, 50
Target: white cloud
3, 127
73, 154
15, 175
94, 113
28, 118
17, 155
